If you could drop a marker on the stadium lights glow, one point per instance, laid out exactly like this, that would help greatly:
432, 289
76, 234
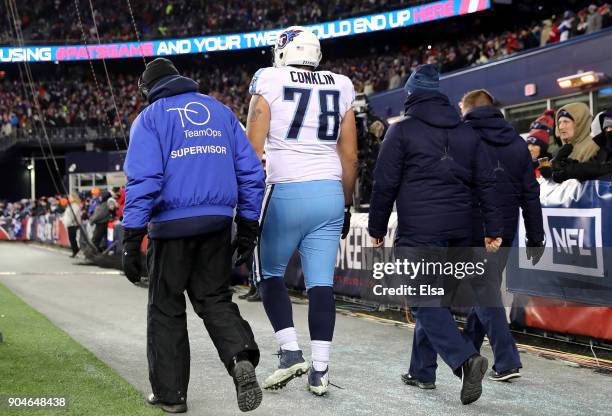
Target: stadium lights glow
580, 79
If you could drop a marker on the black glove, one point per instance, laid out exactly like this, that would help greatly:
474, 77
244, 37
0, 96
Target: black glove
131, 258
534, 250
247, 234
563, 170
346, 225
546, 172
561, 162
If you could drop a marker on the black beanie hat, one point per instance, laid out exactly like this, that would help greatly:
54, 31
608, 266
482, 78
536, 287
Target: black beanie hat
424, 77
155, 70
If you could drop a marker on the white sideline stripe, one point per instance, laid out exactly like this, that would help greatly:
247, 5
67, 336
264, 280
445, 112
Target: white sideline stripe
8, 273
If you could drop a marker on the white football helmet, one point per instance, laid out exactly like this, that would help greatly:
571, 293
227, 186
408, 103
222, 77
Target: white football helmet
297, 45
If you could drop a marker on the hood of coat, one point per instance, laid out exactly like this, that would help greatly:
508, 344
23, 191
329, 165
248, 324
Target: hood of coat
584, 146
433, 108
491, 125
171, 85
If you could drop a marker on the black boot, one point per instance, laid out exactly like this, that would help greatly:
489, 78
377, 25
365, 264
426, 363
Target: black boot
472, 373
255, 297
251, 292
248, 391
166, 407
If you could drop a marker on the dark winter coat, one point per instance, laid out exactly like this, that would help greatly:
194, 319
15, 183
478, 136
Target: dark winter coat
599, 167
430, 163
516, 183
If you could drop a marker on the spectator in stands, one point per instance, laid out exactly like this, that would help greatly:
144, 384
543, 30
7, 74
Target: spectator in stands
54, 206
545, 33
537, 143
516, 188
594, 19
573, 127
567, 27
599, 167
120, 197
7, 129
93, 202
39, 207
606, 15
102, 215
72, 220
546, 123
113, 206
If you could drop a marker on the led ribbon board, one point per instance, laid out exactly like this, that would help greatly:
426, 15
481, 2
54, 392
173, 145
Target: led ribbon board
329, 30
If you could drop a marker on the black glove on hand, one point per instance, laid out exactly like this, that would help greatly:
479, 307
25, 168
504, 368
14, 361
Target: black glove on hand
559, 174
131, 259
534, 250
561, 162
247, 234
346, 226
546, 172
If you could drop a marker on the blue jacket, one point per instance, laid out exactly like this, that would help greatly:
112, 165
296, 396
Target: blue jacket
429, 163
516, 182
188, 160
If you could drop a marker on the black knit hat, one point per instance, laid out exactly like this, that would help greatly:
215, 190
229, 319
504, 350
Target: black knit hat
155, 70
424, 77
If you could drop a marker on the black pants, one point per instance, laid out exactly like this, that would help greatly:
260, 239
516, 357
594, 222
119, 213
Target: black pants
72, 233
201, 265
98, 239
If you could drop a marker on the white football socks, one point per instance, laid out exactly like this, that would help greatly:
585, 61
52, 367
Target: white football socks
287, 339
320, 354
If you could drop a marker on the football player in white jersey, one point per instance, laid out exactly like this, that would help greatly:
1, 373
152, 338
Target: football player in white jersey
303, 120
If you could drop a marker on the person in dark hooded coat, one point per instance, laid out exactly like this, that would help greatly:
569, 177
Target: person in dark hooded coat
430, 162
516, 187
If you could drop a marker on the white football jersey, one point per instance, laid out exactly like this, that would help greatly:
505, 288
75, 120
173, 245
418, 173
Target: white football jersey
306, 110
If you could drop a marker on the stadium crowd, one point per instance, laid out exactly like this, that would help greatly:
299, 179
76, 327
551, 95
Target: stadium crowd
58, 204
83, 105
58, 20
94, 209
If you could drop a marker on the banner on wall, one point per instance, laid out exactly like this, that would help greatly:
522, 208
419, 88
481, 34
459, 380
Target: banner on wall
578, 258
328, 30
44, 228
575, 267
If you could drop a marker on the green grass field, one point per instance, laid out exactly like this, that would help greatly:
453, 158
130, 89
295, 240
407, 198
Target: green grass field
37, 359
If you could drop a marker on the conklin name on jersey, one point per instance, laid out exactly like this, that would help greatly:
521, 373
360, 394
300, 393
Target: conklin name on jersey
307, 108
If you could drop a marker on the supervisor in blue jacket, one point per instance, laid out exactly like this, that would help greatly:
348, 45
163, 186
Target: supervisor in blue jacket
189, 165
430, 162
516, 188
